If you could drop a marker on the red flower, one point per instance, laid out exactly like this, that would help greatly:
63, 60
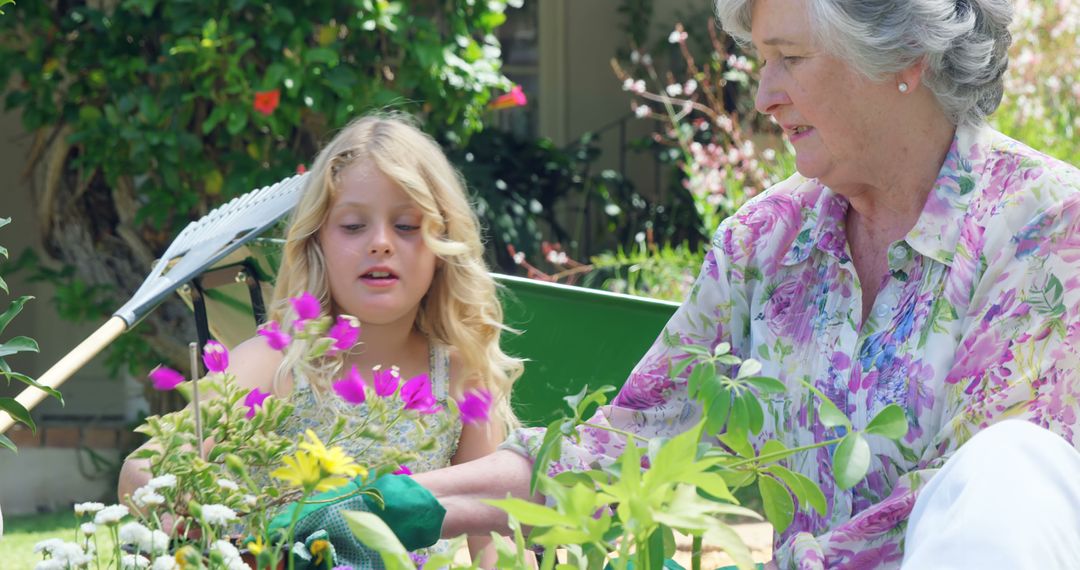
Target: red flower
300, 169
345, 332
254, 399
215, 356
351, 387
475, 406
267, 101
165, 378
416, 394
515, 98
275, 337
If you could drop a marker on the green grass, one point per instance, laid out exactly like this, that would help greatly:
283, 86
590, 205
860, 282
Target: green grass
21, 533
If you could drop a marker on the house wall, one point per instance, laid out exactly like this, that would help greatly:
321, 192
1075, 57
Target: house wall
576, 72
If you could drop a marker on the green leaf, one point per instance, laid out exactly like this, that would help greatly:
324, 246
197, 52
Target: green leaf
4, 441
739, 442
717, 411
236, 122
699, 377
830, 415
18, 344
14, 309
890, 422
551, 537
808, 492
755, 416
598, 397
216, 116
711, 483
530, 513
550, 450
373, 532
851, 460
729, 541
17, 411
674, 457
31, 382
321, 55
749, 367
766, 385
779, 508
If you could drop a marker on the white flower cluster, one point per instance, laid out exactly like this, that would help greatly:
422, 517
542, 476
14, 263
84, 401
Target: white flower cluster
145, 540
148, 495
111, 515
61, 555
217, 514
229, 554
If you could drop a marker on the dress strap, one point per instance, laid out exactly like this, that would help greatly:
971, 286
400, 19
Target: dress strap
440, 371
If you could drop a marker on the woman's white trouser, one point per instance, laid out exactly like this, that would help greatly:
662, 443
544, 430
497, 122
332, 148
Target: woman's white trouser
1009, 498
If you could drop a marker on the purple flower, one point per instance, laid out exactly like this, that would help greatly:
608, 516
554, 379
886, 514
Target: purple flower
215, 356
275, 337
385, 382
351, 387
475, 406
345, 332
343, 567
306, 307
253, 400
165, 378
416, 394
403, 470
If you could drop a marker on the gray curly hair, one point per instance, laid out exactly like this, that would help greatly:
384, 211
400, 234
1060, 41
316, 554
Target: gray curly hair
964, 43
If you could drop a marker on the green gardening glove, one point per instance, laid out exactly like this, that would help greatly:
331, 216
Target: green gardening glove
411, 512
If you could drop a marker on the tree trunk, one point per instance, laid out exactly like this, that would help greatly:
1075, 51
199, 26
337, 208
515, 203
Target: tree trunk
91, 228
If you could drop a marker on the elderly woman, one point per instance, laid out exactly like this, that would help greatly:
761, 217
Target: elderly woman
918, 258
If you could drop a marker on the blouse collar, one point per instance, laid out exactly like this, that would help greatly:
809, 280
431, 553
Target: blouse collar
937, 230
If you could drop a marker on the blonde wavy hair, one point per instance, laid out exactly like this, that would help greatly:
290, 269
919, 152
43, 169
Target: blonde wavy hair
461, 309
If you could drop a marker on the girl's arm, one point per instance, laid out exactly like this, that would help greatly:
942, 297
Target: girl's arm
252, 362
476, 441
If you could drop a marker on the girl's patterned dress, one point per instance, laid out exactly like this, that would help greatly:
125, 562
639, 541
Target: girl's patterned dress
319, 412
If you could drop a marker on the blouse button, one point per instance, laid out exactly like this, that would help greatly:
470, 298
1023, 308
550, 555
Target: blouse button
882, 310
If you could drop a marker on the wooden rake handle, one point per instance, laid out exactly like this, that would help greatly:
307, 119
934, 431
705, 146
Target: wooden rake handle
67, 366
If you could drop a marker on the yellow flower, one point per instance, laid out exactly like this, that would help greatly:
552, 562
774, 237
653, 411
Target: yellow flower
333, 461
301, 470
318, 549
187, 556
256, 546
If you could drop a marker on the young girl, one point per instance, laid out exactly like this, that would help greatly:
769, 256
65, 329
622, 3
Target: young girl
384, 232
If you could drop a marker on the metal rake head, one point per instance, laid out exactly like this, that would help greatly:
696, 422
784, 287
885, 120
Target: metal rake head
209, 239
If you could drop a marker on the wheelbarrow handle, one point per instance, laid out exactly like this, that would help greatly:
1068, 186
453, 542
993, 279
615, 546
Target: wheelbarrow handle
67, 366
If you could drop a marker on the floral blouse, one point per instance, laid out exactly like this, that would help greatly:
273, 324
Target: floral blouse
977, 321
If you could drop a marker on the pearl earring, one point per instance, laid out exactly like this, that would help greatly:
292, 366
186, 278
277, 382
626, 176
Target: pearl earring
903, 87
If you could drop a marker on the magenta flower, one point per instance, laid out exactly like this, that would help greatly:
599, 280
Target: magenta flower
275, 337
351, 387
165, 378
306, 307
345, 332
402, 470
416, 394
215, 356
385, 382
475, 406
254, 399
